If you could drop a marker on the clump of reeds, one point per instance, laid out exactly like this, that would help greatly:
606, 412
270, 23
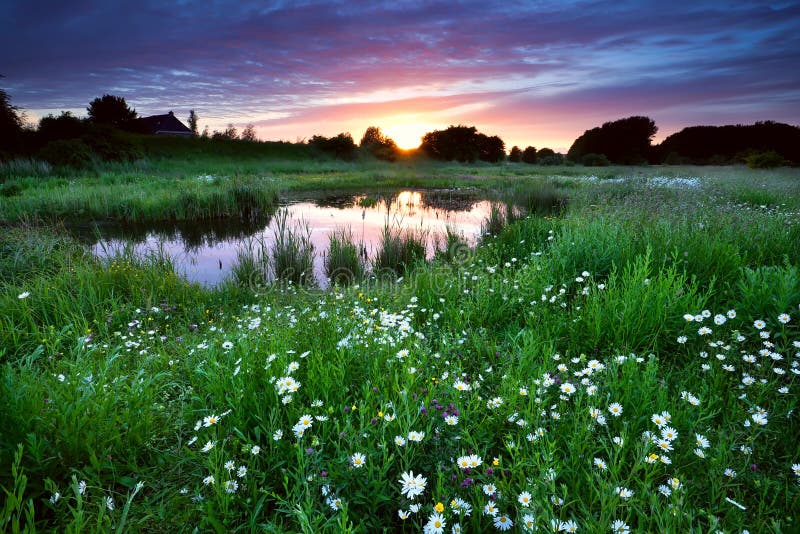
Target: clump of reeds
496, 221
452, 247
251, 268
345, 261
293, 253
398, 250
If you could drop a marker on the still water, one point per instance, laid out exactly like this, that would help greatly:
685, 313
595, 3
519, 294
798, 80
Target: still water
205, 252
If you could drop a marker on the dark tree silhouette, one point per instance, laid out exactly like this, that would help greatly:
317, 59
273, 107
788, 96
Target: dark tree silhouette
731, 143
249, 133
65, 126
462, 143
11, 123
379, 145
491, 149
625, 141
111, 110
515, 155
230, 133
342, 146
529, 155
548, 156
193, 120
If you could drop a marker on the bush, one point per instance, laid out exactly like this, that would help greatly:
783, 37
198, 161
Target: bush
595, 160
67, 153
109, 144
342, 146
765, 160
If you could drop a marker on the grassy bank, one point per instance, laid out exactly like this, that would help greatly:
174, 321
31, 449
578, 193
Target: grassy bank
628, 358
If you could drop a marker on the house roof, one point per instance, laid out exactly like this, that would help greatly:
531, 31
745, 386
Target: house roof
165, 124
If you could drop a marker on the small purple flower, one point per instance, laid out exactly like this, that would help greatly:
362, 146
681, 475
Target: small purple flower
467, 482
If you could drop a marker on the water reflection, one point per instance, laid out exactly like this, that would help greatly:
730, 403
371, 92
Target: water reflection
205, 252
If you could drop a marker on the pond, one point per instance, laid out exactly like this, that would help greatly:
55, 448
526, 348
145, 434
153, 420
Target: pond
206, 252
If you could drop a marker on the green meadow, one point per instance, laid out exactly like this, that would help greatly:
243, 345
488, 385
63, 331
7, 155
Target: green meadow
620, 352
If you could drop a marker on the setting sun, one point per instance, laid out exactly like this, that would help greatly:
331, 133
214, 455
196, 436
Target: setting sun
408, 135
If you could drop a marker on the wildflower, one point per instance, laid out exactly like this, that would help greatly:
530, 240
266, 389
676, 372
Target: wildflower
601, 464
334, 502
524, 499
503, 522
688, 317
231, 486
416, 436
494, 403
665, 490
209, 480
462, 386
759, 324
439, 507
109, 503
24, 295
700, 453
55, 498
489, 489
567, 388
400, 441
784, 318
619, 527
451, 420
435, 524
675, 483
82, 487
568, 526
528, 521
490, 509
254, 450
615, 409
624, 493
719, 319
358, 460
460, 506
208, 446
759, 419
241, 472
411, 486
277, 435
401, 354
403, 514
618, 440
796, 469
731, 314
682, 339
730, 473
668, 433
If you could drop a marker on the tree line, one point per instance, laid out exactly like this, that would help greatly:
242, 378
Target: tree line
69, 140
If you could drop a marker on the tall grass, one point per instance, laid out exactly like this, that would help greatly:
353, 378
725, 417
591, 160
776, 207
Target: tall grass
345, 261
398, 250
629, 364
134, 199
293, 252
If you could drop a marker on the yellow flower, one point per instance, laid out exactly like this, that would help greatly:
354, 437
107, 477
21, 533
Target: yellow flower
439, 507
380, 413
496, 462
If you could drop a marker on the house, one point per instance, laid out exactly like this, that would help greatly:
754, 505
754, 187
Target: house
167, 124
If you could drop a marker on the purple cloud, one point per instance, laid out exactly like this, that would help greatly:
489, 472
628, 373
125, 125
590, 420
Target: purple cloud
534, 73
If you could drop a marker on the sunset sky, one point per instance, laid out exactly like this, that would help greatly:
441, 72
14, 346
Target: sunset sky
536, 72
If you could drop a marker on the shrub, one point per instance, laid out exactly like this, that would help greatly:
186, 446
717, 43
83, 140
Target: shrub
67, 153
344, 263
595, 160
765, 160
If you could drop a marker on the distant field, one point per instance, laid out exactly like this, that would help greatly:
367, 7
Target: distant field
622, 345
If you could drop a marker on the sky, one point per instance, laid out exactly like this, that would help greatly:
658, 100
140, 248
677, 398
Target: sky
536, 72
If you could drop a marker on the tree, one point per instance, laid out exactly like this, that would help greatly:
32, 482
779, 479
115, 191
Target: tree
11, 122
249, 133
515, 155
462, 143
491, 149
529, 155
111, 110
377, 144
342, 146
205, 134
230, 133
65, 126
193, 119
625, 141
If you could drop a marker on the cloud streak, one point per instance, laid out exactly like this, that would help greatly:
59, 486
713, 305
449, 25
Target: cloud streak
533, 72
